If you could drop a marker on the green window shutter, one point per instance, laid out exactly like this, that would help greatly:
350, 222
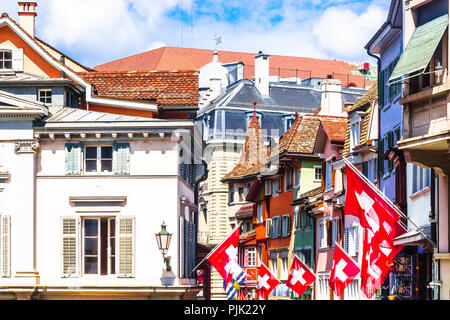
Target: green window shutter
73, 158
390, 138
121, 158
5, 246
126, 232
69, 246
380, 156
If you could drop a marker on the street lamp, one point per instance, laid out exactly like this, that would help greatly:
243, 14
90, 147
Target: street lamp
163, 239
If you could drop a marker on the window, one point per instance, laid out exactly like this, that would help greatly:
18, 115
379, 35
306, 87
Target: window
328, 175
288, 178
99, 246
351, 240
275, 187
274, 263
317, 173
249, 117
305, 255
45, 96
275, 227
5, 60
241, 194
322, 233
251, 257
296, 177
268, 187
98, 158
369, 168
421, 178
288, 121
259, 212
335, 228
284, 272
5, 247
354, 135
285, 225
231, 194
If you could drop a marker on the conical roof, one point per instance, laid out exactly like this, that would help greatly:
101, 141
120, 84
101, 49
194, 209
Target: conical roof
253, 155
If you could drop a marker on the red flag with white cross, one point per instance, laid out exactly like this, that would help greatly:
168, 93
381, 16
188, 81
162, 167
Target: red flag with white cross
381, 222
343, 272
266, 282
224, 259
300, 276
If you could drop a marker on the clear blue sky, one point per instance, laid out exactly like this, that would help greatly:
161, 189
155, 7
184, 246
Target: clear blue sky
95, 32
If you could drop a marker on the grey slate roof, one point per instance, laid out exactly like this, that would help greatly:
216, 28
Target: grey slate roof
282, 97
79, 115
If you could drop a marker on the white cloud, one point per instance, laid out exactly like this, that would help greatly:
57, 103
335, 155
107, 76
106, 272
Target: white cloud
342, 32
95, 32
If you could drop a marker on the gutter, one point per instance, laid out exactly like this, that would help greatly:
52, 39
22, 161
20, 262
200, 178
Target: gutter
379, 110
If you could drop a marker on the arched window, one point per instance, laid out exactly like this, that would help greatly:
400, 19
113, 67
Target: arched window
5, 60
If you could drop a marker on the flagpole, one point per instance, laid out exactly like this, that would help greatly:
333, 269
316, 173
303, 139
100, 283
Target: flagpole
388, 201
212, 251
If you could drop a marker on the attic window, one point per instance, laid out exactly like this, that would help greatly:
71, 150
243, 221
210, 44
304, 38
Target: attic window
5, 60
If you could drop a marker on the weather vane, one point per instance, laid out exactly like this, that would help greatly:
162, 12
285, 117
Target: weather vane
217, 40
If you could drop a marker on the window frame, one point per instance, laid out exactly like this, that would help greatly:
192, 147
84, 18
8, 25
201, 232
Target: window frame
3, 60
98, 159
45, 90
288, 172
251, 257
355, 130
259, 212
315, 173
322, 236
109, 219
297, 177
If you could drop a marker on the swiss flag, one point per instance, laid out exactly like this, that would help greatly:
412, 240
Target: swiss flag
300, 277
380, 220
224, 258
343, 272
266, 282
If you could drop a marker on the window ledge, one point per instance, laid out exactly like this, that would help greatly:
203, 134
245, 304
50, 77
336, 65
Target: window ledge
420, 193
5, 175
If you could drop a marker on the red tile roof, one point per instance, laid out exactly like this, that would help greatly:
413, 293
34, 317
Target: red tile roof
301, 136
176, 58
335, 127
169, 89
253, 156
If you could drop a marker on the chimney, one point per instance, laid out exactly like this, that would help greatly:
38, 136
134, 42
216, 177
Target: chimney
262, 73
331, 98
27, 16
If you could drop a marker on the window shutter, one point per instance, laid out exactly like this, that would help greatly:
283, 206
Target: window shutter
365, 169
288, 218
121, 158
390, 138
380, 156
329, 233
17, 60
73, 158
182, 246
322, 176
332, 175
126, 232
346, 236
5, 249
269, 228
70, 246
338, 230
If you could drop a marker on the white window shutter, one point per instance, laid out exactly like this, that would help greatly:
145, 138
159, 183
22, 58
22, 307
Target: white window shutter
17, 60
181, 245
70, 249
5, 248
126, 227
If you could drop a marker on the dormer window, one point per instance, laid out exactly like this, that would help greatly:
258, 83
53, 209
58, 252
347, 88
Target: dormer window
355, 131
5, 60
45, 96
288, 121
